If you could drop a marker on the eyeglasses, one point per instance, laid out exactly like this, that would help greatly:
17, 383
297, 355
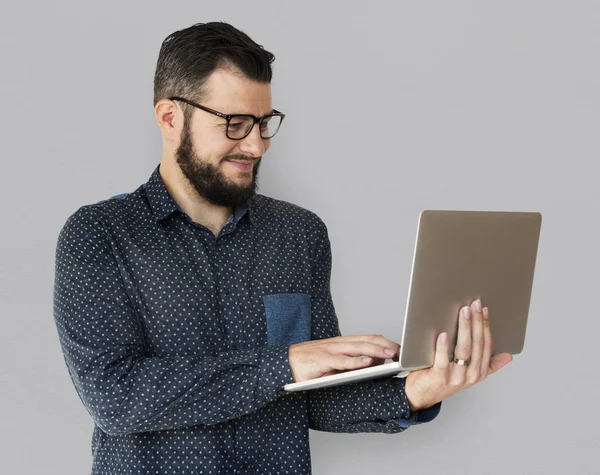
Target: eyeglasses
240, 125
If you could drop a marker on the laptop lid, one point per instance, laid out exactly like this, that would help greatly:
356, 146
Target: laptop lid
463, 255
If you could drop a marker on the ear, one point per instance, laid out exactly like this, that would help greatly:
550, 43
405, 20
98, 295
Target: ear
170, 120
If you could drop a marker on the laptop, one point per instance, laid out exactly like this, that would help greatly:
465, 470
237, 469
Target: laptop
460, 256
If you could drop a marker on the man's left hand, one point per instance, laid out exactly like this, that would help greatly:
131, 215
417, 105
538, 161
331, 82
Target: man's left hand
426, 387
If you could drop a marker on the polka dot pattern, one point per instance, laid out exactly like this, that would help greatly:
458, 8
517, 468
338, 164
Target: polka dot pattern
164, 335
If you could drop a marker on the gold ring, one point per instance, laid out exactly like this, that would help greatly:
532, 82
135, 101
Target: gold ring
462, 362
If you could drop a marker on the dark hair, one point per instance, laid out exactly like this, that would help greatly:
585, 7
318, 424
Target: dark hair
189, 56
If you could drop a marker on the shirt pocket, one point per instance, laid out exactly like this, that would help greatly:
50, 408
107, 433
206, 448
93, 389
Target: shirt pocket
288, 318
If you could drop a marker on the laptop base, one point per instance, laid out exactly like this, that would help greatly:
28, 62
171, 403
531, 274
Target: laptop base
364, 374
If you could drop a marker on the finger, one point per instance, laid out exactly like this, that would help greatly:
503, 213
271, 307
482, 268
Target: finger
499, 361
474, 369
487, 345
441, 362
341, 362
462, 350
360, 348
377, 361
373, 339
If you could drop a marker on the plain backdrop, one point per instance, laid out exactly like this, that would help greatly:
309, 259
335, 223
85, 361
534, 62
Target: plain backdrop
392, 107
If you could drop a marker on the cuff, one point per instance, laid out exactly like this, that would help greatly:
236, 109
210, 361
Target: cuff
275, 371
420, 417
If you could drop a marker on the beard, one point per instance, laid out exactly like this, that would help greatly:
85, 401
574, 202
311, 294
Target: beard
208, 180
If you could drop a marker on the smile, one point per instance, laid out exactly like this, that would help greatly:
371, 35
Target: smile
241, 165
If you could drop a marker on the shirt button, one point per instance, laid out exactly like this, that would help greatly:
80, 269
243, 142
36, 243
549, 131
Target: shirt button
225, 291
237, 414
397, 400
244, 466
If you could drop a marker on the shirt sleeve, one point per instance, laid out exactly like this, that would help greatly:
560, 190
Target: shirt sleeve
371, 406
123, 387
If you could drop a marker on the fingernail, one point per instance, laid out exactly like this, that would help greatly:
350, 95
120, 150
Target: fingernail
366, 359
477, 304
486, 313
444, 337
389, 352
466, 313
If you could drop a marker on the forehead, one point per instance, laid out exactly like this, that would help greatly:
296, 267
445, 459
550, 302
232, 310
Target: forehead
232, 93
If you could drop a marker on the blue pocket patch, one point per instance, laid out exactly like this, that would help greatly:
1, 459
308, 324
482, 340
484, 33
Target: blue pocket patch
288, 318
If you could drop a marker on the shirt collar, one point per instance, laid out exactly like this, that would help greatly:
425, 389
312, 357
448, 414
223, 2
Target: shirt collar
163, 204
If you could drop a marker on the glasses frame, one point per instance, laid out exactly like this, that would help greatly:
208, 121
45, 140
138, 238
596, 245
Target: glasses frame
228, 118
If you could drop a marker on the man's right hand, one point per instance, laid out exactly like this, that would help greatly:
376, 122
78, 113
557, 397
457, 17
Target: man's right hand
316, 358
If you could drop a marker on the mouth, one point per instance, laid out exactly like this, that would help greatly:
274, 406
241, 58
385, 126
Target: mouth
241, 164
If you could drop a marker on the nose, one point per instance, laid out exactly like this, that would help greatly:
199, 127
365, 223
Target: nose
253, 144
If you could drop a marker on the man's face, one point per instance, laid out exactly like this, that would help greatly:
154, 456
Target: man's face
224, 171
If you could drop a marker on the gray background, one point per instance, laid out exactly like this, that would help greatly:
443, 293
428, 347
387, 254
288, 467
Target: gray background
392, 107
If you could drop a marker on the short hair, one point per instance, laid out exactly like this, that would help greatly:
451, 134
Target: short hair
188, 57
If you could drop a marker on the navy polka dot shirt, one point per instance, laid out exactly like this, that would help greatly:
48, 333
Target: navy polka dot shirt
177, 341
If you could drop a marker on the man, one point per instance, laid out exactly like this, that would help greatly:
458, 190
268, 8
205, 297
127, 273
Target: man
184, 307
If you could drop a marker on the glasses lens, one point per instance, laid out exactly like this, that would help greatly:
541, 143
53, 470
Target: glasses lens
239, 126
270, 125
